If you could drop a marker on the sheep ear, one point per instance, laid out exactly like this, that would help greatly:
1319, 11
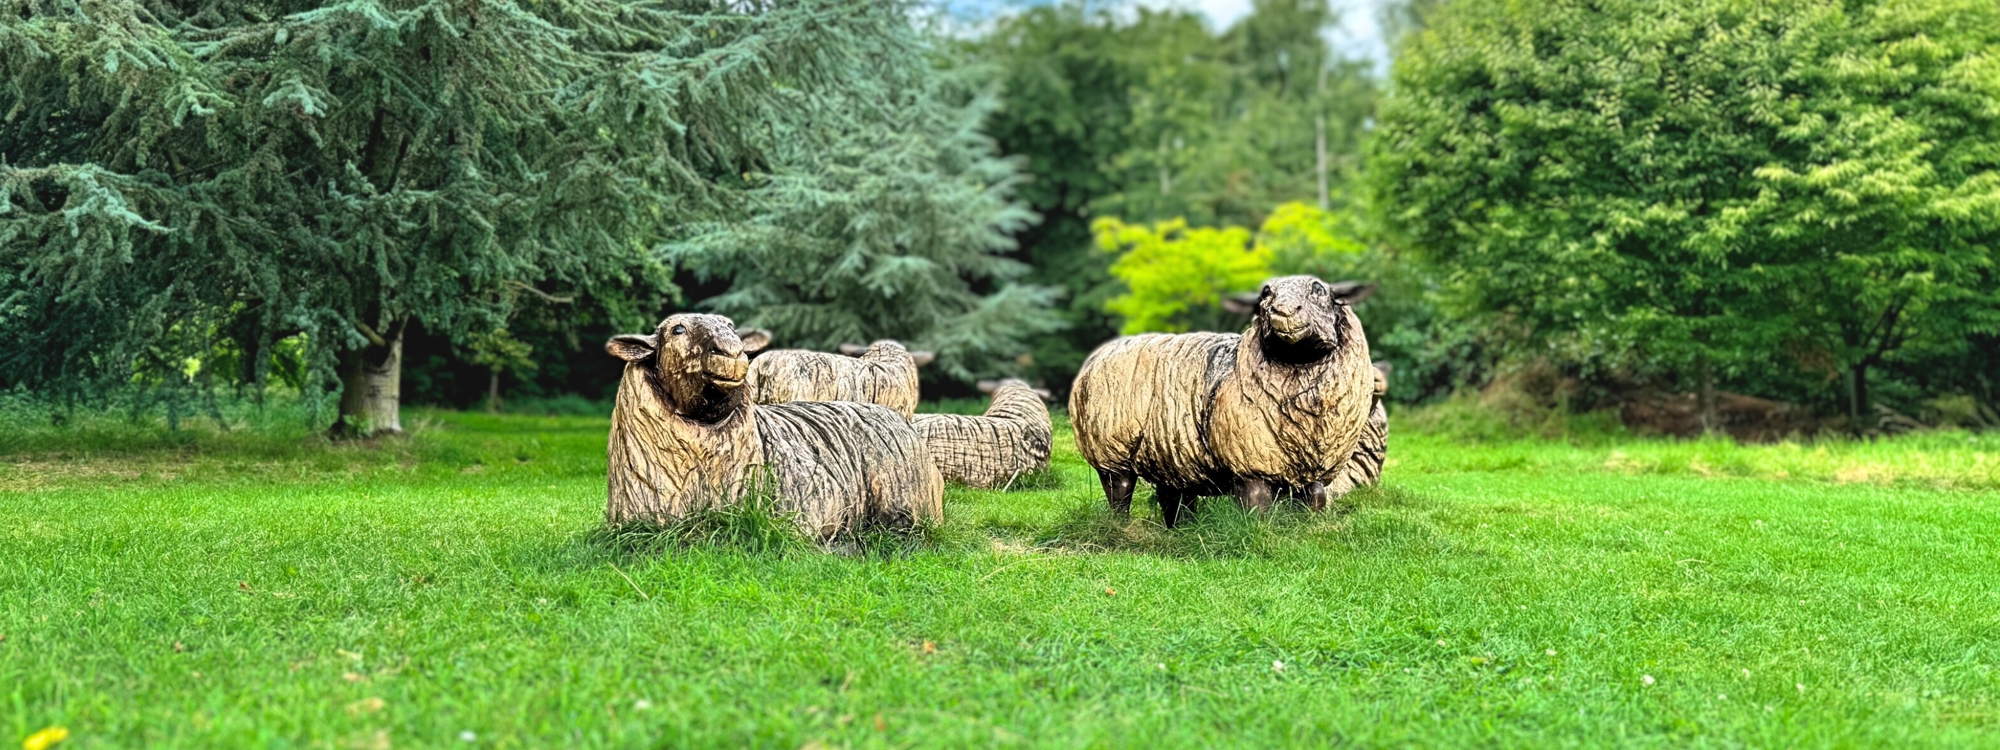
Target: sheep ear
853, 350
989, 386
1241, 304
1351, 292
923, 358
1045, 393
754, 340
632, 347
1383, 366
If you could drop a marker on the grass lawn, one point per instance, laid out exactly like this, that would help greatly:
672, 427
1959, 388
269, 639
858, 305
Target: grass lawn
259, 588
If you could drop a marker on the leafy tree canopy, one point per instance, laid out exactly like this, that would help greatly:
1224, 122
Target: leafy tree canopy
1784, 195
1150, 115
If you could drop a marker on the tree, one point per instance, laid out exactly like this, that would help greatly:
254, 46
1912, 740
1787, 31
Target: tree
1150, 115
1177, 275
892, 221
186, 180
1768, 193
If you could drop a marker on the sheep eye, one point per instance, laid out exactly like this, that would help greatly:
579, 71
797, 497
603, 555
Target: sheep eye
1319, 288
678, 330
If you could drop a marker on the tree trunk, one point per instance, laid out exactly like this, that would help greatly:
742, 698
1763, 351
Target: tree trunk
1319, 137
1710, 421
1857, 395
1319, 146
493, 393
371, 381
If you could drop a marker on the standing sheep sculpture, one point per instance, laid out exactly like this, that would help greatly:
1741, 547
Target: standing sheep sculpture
882, 373
1011, 439
684, 435
1286, 405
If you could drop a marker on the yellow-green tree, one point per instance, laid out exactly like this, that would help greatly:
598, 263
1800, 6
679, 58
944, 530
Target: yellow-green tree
1176, 275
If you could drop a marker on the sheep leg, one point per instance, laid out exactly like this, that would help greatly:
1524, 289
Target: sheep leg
1171, 502
1316, 496
1117, 492
1254, 495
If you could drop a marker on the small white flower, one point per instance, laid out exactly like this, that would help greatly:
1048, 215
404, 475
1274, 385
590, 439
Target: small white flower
1746, 674
468, 736
1551, 652
1440, 643
1801, 686
1647, 679
1722, 696
1161, 665
1277, 666
641, 704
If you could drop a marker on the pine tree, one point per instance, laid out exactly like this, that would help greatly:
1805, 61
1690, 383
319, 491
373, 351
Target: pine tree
892, 219
185, 184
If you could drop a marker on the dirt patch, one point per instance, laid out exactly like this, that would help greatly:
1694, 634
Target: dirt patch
1746, 418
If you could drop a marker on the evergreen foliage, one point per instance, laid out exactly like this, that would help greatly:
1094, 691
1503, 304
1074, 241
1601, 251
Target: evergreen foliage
892, 221
187, 184
1780, 197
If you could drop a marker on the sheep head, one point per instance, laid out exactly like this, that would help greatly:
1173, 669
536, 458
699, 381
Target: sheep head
1300, 319
695, 364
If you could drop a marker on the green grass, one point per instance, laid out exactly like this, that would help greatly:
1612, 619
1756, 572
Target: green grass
262, 588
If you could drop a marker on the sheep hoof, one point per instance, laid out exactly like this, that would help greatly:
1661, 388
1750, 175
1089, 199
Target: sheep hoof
1316, 496
1254, 495
1117, 492
1172, 502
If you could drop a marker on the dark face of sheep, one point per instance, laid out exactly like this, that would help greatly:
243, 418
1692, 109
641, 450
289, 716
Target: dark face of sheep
695, 364
1301, 320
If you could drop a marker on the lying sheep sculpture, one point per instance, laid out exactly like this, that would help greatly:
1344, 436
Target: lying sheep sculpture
1283, 406
1011, 439
684, 435
882, 373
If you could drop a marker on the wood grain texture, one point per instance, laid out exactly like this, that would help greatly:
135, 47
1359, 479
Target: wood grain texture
885, 374
1290, 403
1012, 438
841, 464
684, 438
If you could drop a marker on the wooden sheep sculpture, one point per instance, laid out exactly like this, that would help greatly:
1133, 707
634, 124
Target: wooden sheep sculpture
684, 435
1285, 405
1011, 439
881, 373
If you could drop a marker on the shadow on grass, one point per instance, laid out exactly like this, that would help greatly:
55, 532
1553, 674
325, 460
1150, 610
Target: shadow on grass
1220, 529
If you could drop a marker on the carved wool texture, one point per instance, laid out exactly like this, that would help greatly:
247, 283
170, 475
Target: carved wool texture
840, 464
1140, 406
664, 467
837, 465
1365, 467
1011, 439
1199, 411
1292, 424
885, 375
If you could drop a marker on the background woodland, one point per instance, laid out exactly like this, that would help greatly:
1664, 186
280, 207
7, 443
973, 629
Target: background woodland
1779, 212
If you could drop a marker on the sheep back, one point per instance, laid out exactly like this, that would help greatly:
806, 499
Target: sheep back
1293, 424
663, 467
839, 464
1012, 438
1141, 406
885, 376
